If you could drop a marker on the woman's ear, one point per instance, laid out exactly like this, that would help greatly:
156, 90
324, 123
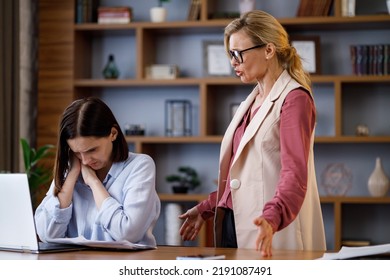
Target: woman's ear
114, 134
269, 50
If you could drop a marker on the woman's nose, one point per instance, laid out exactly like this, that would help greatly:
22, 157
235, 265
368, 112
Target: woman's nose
84, 159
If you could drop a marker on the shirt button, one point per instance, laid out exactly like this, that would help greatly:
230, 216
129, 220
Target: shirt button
235, 184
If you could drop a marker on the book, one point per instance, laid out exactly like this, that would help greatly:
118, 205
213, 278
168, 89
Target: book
303, 8
380, 60
194, 10
352, 50
314, 8
348, 8
386, 59
361, 59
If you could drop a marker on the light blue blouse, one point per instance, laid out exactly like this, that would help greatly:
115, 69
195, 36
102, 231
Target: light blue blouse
130, 213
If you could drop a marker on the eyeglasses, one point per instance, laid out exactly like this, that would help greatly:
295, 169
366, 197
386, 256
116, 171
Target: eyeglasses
237, 55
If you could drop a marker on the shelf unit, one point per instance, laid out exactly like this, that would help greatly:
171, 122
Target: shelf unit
67, 72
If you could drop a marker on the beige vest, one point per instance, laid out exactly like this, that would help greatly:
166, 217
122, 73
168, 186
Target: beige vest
255, 173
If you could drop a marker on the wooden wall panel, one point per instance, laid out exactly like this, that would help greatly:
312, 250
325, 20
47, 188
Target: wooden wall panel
55, 70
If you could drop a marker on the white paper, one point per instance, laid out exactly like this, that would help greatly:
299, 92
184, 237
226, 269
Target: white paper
81, 240
353, 252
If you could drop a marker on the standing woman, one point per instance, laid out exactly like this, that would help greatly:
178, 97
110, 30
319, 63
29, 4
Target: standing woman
100, 190
267, 196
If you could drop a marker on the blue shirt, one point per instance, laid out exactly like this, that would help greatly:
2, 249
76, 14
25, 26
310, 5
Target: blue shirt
130, 213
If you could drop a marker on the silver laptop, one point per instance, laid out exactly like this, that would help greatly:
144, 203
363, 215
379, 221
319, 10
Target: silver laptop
17, 226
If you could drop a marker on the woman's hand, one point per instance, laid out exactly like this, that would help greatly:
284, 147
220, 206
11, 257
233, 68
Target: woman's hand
264, 238
89, 175
91, 179
75, 164
193, 222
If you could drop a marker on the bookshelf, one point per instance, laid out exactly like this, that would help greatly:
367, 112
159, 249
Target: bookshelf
72, 55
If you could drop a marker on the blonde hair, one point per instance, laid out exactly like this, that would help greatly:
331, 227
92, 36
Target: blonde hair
261, 27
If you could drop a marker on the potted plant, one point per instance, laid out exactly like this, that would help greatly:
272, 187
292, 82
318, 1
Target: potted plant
38, 175
159, 13
186, 179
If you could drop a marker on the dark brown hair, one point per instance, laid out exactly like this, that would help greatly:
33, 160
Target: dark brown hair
86, 117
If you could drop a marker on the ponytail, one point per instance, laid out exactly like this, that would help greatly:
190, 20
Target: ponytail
293, 65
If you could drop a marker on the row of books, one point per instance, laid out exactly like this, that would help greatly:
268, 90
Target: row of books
314, 8
370, 59
86, 11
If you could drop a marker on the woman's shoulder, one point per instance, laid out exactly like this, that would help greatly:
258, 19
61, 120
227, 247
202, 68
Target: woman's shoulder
138, 158
299, 93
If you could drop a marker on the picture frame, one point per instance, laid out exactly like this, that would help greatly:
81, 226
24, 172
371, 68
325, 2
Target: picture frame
308, 48
215, 60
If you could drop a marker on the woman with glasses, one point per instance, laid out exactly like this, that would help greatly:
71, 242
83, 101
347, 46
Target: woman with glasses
267, 196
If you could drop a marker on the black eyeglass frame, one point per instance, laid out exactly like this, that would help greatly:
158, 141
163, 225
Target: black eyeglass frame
237, 55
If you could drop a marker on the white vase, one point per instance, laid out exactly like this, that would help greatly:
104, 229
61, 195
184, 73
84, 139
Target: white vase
246, 5
158, 14
378, 182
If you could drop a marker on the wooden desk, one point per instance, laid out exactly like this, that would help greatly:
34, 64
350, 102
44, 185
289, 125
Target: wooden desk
162, 253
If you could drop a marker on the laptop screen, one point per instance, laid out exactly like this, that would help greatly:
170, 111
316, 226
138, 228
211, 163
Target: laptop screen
16, 213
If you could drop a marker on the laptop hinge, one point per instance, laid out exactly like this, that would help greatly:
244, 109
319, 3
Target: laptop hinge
26, 250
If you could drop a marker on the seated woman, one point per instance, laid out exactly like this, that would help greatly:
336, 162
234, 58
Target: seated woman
100, 190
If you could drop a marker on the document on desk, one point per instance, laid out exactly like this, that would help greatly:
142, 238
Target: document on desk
122, 245
356, 252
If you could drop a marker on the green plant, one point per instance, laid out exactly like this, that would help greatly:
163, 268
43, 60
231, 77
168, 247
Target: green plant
160, 2
187, 177
37, 174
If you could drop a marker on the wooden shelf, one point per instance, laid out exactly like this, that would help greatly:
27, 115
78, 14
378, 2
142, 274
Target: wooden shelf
183, 81
294, 23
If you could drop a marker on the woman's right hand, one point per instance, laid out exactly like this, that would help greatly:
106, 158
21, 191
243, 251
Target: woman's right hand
193, 222
75, 164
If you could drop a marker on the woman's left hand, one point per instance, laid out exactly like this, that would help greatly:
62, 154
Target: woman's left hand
88, 174
264, 238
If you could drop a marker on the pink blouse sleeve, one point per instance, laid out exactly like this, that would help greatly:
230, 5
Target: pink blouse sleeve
297, 122
207, 207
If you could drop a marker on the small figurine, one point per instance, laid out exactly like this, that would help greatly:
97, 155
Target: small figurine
362, 130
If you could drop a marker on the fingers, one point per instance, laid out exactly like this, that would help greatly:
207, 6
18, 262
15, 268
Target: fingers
188, 231
190, 228
184, 216
264, 238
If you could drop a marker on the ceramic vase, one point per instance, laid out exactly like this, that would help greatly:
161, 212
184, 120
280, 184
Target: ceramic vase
246, 6
158, 14
378, 182
111, 71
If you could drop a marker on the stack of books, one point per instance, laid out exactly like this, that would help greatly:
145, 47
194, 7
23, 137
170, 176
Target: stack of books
114, 15
313, 8
370, 59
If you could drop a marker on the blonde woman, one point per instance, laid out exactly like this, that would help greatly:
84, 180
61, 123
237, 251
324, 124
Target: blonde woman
267, 196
